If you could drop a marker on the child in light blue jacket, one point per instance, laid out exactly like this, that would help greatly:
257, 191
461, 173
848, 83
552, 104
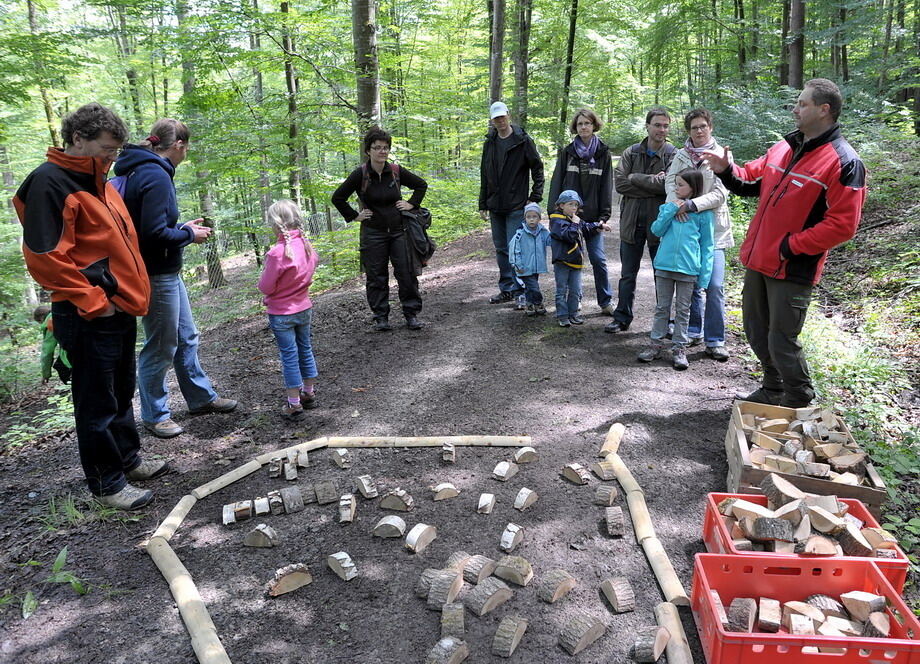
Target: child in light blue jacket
683, 261
527, 252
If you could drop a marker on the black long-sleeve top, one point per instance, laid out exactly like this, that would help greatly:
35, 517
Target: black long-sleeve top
380, 196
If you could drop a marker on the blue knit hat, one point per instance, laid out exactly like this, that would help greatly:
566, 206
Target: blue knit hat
569, 195
533, 207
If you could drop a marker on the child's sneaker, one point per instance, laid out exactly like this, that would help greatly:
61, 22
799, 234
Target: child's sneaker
520, 303
291, 411
531, 310
679, 358
539, 309
577, 320
564, 322
650, 353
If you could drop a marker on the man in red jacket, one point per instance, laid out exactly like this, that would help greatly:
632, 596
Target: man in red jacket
79, 244
811, 186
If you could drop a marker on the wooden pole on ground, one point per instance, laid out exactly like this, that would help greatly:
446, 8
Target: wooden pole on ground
612, 441
429, 441
678, 649
308, 446
226, 479
174, 519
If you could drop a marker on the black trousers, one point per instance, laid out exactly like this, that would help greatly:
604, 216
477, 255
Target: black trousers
101, 352
379, 248
630, 262
774, 313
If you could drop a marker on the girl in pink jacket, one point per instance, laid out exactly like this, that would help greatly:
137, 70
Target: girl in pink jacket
285, 281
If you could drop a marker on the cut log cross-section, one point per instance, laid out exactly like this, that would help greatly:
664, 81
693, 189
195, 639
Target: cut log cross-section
478, 568
448, 453
576, 474
816, 545
390, 526
423, 585
458, 561
525, 455
347, 508
292, 499
511, 537
343, 566
878, 626
619, 593
444, 491
554, 585
508, 635
505, 470
515, 569
604, 470
605, 495
326, 492
262, 536
780, 491
741, 614
397, 499
580, 632
420, 537
288, 579
769, 615
616, 523
650, 643
445, 586
524, 499
860, 604
242, 510
452, 620
487, 595
342, 457
678, 649
366, 486
486, 503
449, 650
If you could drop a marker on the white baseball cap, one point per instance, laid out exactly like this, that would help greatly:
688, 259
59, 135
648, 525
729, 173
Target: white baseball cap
497, 109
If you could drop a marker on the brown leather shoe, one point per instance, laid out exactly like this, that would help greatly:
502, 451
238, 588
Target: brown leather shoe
219, 405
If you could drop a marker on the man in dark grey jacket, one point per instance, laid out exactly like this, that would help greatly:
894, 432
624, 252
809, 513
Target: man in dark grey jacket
639, 179
509, 160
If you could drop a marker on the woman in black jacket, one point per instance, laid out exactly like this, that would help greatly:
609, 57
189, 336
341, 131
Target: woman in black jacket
377, 183
584, 165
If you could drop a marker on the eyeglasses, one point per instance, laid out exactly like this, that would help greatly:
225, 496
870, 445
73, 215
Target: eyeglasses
111, 151
699, 128
380, 148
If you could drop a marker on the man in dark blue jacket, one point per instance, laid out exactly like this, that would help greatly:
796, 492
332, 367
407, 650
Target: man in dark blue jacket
509, 156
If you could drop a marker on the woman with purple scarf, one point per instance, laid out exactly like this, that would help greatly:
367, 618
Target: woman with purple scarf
707, 324
584, 166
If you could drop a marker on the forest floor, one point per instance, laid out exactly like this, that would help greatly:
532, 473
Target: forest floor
474, 369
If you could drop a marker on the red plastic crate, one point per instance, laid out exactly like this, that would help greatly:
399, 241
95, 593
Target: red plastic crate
788, 579
719, 540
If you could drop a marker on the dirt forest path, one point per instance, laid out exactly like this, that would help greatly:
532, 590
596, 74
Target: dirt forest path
475, 369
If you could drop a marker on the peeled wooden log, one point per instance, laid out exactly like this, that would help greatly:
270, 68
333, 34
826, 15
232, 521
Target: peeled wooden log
242, 510
878, 538
508, 635
444, 491
226, 479
390, 526
429, 441
525, 498
445, 586
769, 615
853, 543
423, 585
448, 650
649, 644
504, 470
347, 508
511, 537
262, 536
641, 519
612, 440
366, 486
487, 595
478, 568
453, 620
449, 453
288, 579
670, 584
576, 473
878, 626
515, 569
397, 499
326, 492
605, 495
604, 470
861, 604
816, 545
828, 606
678, 649
580, 632
309, 445
624, 476
342, 458
525, 455
458, 561
486, 503
420, 537
741, 613
616, 524
554, 585
174, 519
619, 593
343, 566
780, 491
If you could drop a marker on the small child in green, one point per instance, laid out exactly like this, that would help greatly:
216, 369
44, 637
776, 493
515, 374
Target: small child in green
42, 316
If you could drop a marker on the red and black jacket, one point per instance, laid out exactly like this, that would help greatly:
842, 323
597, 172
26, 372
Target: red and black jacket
811, 198
78, 239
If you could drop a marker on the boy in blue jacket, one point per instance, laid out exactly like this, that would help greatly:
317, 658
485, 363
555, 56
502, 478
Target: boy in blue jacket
527, 251
568, 256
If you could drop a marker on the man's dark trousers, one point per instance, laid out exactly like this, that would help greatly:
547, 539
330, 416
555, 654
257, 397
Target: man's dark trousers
101, 352
774, 313
504, 225
378, 249
630, 262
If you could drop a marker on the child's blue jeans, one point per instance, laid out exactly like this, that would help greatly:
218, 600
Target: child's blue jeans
532, 292
568, 290
292, 332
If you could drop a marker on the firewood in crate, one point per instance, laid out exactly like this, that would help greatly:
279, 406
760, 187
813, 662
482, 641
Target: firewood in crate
879, 538
829, 503
766, 442
781, 464
444, 491
742, 508
808, 413
604, 470
741, 614
616, 523
453, 621
850, 479
779, 546
757, 455
449, 650
486, 503
576, 473
852, 542
366, 486
288, 579
508, 635
888, 554
649, 644
850, 463
845, 626
793, 512
852, 520
524, 499
478, 568
554, 585
445, 586
774, 425
827, 450
878, 626
816, 545
804, 456
242, 510
347, 508
619, 593
798, 624
803, 530
397, 499
825, 522
792, 447
769, 615
515, 569
767, 530
743, 544
580, 632
605, 495
390, 526
343, 566
721, 615
817, 470
525, 455
505, 470
326, 492
828, 606
810, 611
262, 536
748, 420
420, 537
725, 506
487, 595
860, 604
423, 585
511, 537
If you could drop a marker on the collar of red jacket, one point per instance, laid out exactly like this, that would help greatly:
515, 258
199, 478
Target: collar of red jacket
95, 166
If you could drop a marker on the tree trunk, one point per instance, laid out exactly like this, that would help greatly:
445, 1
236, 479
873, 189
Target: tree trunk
496, 50
364, 36
784, 44
258, 93
50, 116
844, 59
125, 45
567, 82
290, 79
521, 58
797, 43
742, 51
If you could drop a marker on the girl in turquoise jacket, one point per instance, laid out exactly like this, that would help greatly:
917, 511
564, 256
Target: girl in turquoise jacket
683, 261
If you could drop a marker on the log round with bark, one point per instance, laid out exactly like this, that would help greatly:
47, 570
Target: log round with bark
508, 635
515, 569
478, 568
487, 595
649, 644
580, 632
554, 585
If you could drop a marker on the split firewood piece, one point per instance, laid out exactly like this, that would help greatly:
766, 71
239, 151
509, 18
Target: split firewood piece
448, 453
342, 457
508, 635
779, 463
303, 458
390, 526
604, 470
511, 537
260, 506
830, 503
792, 512
798, 624
526, 455
804, 456
292, 499
763, 529
308, 493
486, 503
828, 606
741, 614
853, 520
840, 437
397, 499
850, 479
275, 467
290, 471
619, 593
524, 499
742, 508
810, 611
757, 455
505, 470
726, 506
289, 578
445, 586
444, 490
827, 450
420, 537
850, 463
342, 564
792, 447
742, 544
478, 568
580, 632
860, 604
649, 644
780, 491
326, 492
366, 486
853, 543
616, 524
576, 473
605, 495
825, 522
458, 561
889, 554
808, 413
816, 545
449, 650
766, 442
769, 615
347, 508
879, 538
554, 585
515, 569
228, 514
775, 425
276, 502
423, 585
242, 510
612, 440
845, 626
453, 620
720, 609
819, 470
878, 626
487, 595
262, 536
779, 546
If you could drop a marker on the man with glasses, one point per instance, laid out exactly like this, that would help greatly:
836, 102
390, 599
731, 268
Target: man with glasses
79, 244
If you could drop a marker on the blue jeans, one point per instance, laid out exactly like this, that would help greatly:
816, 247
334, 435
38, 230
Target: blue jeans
171, 338
568, 290
532, 291
504, 226
713, 317
292, 332
594, 242
630, 261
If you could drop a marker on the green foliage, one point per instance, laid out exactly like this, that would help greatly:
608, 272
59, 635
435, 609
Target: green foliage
59, 575
55, 418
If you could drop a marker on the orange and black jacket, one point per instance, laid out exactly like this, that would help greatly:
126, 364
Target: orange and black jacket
78, 239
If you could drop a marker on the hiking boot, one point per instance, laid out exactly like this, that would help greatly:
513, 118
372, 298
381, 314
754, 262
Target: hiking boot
165, 429
501, 297
413, 323
382, 324
679, 358
565, 322
308, 400
577, 320
520, 303
291, 411
615, 326
650, 353
129, 498
531, 310
607, 310
539, 310
148, 470
763, 395
219, 405
717, 353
